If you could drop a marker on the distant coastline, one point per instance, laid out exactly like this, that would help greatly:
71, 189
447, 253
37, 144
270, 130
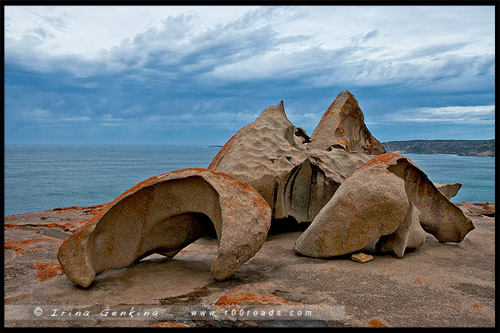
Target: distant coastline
451, 147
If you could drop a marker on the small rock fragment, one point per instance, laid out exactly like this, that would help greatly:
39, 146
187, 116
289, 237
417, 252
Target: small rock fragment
361, 257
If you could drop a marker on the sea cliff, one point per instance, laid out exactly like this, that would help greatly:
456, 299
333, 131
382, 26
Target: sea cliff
454, 147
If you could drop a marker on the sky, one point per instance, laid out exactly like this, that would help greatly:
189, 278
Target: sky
196, 75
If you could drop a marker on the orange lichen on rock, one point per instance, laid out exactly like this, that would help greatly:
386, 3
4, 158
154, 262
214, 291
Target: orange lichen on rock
70, 226
61, 210
47, 270
98, 209
376, 322
167, 324
379, 161
476, 306
236, 298
13, 299
18, 247
421, 281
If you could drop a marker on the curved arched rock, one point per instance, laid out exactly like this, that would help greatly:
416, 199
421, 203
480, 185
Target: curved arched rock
165, 213
374, 202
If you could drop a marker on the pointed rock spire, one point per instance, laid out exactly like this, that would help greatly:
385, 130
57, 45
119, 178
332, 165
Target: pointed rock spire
343, 127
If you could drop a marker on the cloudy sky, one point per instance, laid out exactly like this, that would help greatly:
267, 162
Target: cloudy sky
196, 75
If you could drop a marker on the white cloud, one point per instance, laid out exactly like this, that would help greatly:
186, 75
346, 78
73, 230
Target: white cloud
76, 119
473, 115
369, 44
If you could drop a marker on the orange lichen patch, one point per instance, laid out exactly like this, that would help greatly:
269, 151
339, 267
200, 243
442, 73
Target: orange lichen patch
18, 247
98, 209
47, 270
8, 261
476, 306
380, 161
185, 251
11, 225
61, 210
376, 322
70, 226
422, 281
10, 300
487, 208
167, 324
236, 297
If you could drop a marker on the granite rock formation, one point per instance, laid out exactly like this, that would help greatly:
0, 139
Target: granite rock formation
388, 196
295, 176
343, 126
476, 209
459, 279
164, 214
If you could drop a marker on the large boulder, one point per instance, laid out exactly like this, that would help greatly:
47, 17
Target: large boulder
164, 214
343, 126
293, 176
388, 196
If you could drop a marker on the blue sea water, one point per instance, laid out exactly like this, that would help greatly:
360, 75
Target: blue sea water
45, 177
475, 173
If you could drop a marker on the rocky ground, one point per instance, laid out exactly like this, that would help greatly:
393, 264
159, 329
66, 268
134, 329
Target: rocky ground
439, 284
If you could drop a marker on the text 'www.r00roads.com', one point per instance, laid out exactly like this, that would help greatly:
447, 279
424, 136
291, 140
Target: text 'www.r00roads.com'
306, 312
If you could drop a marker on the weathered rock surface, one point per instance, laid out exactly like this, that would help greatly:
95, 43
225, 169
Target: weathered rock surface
377, 200
164, 214
487, 208
271, 155
343, 126
449, 190
459, 278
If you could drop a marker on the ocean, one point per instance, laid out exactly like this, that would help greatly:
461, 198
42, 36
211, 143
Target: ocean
41, 177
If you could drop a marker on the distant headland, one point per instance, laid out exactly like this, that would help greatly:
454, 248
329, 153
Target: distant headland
454, 147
